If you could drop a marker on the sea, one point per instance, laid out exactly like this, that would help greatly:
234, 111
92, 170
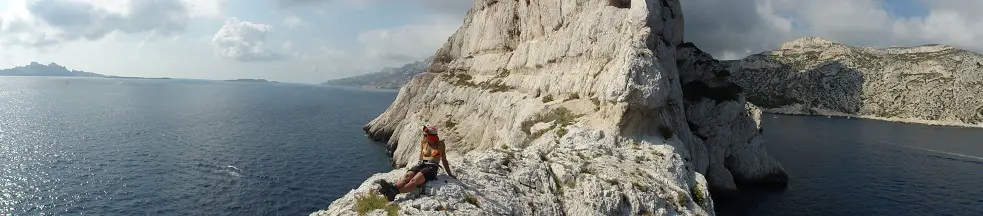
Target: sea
94, 146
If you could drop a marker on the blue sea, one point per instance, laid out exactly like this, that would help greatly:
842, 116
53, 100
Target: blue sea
840, 166
90, 146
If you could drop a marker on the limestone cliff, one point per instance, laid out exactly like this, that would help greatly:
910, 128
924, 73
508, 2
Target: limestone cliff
719, 115
567, 107
934, 84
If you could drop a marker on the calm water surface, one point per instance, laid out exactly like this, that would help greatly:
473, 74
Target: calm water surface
844, 166
71, 146
177, 147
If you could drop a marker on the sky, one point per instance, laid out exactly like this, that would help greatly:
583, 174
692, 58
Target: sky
311, 41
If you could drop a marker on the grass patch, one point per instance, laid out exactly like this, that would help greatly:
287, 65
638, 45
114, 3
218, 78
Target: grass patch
573, 96
640, 187
682, 199
372, 201
463, 80
497, 86
698, 195
587, 170
450, 123
561, 132
612, 181
656, 153
548, 98
560, 116
502, 73
472, 199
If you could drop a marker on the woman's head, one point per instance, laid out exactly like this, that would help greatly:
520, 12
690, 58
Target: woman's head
430, 134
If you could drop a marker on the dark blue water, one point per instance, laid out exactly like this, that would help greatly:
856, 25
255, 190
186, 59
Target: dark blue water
841, 166
171, 147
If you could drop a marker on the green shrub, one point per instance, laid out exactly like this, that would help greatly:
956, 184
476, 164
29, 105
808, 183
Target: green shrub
548, 98
698, 194
472, 199
372, 201
573, 96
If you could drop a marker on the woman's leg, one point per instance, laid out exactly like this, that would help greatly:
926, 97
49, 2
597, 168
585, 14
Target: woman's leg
406, 178
417, 180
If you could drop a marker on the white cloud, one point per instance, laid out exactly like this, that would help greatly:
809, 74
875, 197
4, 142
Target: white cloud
407, 43
288, 45
243, 41
41, 23
293, 22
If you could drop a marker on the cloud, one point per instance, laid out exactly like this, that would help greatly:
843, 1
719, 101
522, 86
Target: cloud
243, 41
452, 7
293, 22
733, 29
42, 23
288, 45
409, 42
293, 3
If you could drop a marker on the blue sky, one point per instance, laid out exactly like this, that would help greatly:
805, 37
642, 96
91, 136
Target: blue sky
311, 41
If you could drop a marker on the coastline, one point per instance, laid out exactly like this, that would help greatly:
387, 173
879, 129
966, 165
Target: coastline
789, 111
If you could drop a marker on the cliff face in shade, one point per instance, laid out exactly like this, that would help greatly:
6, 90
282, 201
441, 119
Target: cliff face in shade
387, 78
933, 84
719, 115
545, 103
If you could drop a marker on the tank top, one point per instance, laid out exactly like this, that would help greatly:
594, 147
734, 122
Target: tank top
429, 154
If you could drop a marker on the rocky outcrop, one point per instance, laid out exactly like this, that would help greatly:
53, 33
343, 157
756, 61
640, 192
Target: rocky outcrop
387, 78
582, 173
566, 107
730, 128
933, 84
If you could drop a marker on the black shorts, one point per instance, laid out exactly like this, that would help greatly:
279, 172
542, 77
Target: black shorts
429, 170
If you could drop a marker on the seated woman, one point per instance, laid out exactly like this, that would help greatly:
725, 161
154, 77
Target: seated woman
432, 153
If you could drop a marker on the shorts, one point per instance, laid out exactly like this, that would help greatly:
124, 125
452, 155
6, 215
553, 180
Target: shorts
429, 170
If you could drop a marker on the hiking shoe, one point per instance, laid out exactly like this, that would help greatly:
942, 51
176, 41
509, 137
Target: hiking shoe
387, 189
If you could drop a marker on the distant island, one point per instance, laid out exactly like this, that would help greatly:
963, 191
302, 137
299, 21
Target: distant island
252, 80
387, 78
56, 70
52, 69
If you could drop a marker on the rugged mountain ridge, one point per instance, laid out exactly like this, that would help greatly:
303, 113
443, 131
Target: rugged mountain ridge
933, 84
544, 103
387, 78
51, 69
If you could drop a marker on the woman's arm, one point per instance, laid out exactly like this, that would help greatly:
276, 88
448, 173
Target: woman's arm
443, 159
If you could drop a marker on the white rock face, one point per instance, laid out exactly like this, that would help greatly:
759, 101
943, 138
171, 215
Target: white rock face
933, 84
561, 107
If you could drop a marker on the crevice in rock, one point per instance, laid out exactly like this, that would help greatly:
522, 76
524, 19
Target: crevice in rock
620, 3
